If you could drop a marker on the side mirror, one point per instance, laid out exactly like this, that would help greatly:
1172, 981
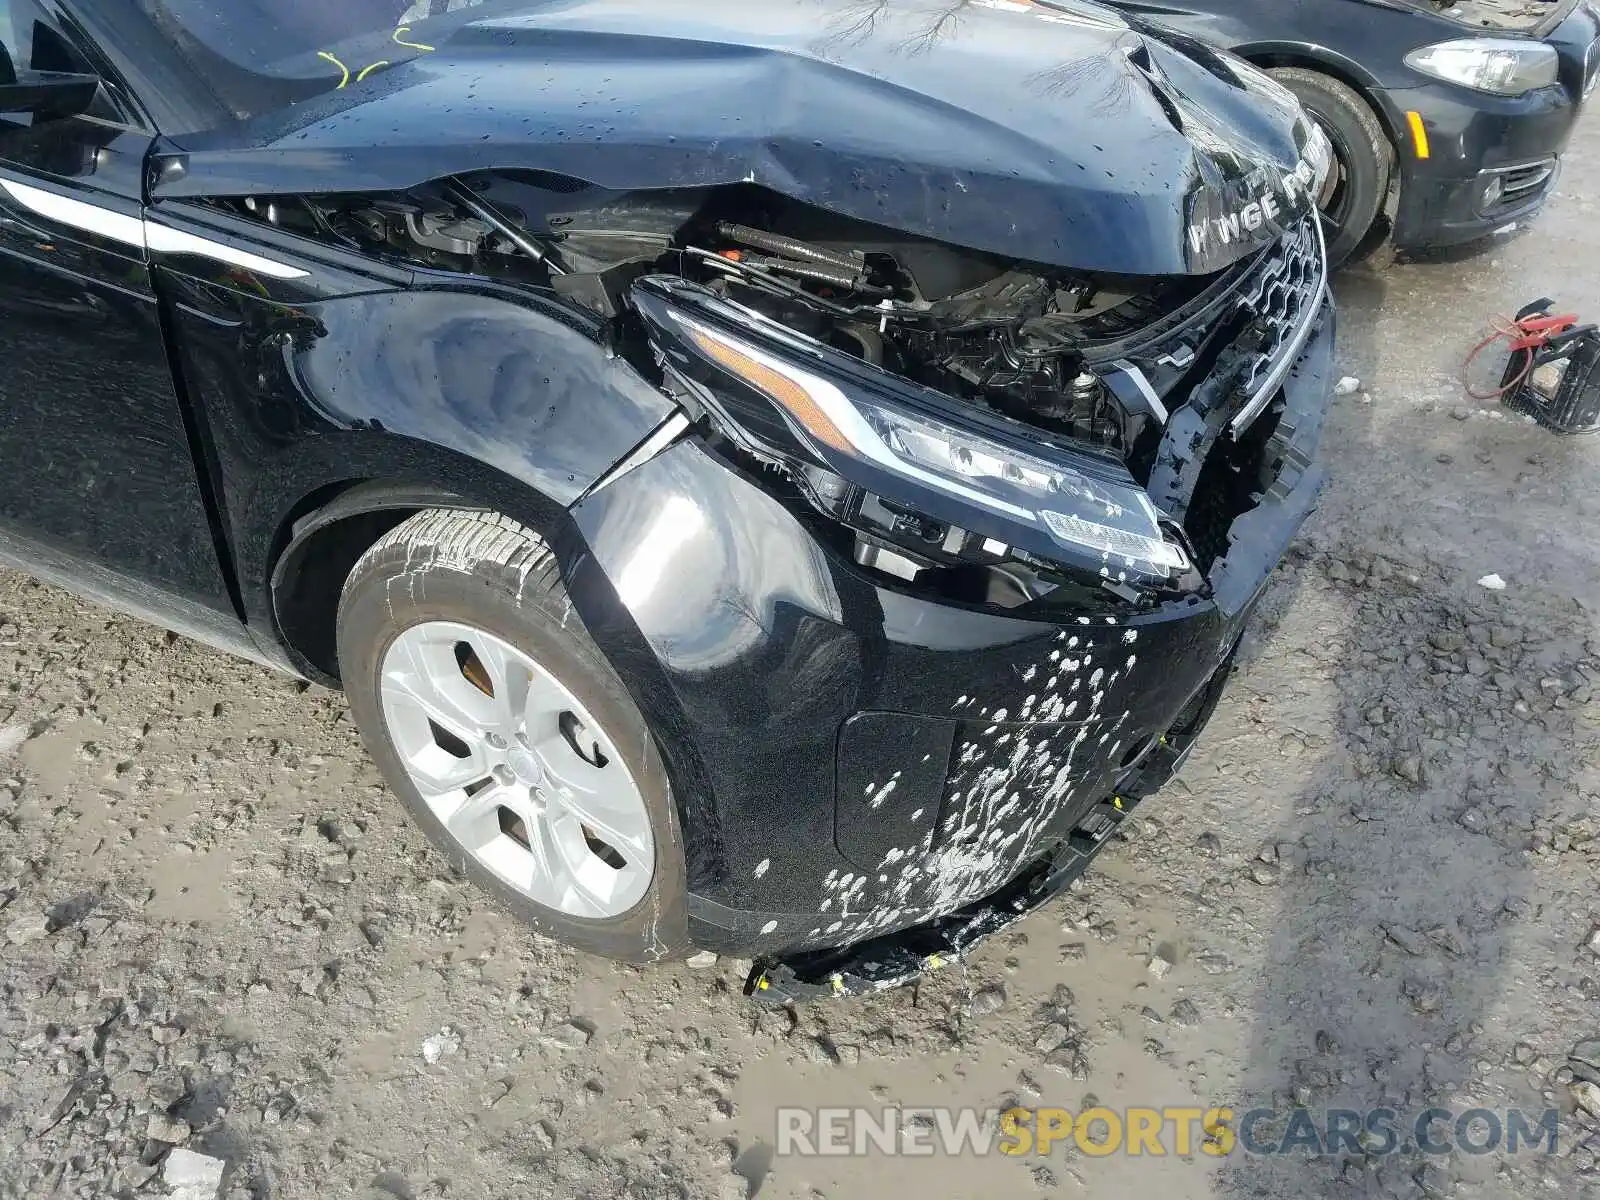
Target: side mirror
49, 95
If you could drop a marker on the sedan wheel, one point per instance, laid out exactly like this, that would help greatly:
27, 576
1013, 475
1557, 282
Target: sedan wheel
1363, 160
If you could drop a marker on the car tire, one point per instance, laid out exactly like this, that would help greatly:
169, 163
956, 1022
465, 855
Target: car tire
1363, 159
444, 579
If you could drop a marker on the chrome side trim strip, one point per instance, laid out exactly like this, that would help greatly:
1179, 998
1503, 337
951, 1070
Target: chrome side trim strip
163, 239
77, 213
147, 235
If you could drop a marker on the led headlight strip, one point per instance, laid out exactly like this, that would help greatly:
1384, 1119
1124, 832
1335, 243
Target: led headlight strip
1115, 522
822, 411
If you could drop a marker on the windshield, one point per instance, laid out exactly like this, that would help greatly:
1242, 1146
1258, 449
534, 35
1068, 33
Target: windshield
258, 55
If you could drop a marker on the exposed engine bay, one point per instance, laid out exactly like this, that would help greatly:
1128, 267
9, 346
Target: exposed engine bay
1013, 336
1087, 358
1497, 14
969, 324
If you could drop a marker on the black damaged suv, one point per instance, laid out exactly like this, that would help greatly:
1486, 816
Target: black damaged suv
783, 478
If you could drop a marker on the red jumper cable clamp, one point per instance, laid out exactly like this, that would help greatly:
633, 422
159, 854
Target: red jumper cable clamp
1553, 372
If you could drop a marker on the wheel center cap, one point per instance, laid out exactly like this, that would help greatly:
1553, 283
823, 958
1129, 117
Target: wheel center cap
525, 766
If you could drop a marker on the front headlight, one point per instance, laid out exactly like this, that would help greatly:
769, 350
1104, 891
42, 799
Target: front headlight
803, 401
1504, 66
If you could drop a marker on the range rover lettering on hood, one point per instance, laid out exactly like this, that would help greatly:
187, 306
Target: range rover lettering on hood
1076, 140
1268, 199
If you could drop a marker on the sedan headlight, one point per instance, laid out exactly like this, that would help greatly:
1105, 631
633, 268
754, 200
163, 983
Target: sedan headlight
1504, 66
812, 405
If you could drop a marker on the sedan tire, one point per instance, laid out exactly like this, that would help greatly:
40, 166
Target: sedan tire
503, 729
1363, 160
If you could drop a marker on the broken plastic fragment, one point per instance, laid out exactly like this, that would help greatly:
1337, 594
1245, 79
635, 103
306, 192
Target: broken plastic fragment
1493, 582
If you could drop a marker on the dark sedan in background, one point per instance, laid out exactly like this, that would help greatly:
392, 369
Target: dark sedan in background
1448, 120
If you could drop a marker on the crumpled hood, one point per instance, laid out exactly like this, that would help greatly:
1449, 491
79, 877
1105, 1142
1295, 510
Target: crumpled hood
1050, 131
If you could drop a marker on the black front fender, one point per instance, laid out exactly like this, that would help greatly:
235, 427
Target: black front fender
496, 395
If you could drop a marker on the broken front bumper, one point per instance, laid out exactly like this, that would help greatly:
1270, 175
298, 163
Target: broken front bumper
898, 958
854, 760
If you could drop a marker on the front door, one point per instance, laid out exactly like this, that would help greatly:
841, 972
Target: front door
98, 482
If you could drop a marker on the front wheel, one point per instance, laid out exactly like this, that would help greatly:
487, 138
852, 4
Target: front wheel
1363, 159
504, 730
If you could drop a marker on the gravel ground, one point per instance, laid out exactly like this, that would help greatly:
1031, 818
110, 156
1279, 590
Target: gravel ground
1375, 885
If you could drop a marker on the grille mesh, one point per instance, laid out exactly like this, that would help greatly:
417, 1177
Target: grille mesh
1279, 296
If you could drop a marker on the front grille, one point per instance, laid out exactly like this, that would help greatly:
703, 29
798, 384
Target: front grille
1214, 462
1522, 184
1281, 299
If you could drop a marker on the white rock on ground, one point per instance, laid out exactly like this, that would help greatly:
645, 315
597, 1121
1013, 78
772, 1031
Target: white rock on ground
192, 1176
439, 1045
11, 739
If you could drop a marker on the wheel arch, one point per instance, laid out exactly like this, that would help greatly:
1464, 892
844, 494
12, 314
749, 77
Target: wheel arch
330, 517
1336, 66
339, 516
336, 526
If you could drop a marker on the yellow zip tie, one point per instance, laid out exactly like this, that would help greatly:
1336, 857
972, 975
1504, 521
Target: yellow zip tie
337, 63
365, 71
411, 45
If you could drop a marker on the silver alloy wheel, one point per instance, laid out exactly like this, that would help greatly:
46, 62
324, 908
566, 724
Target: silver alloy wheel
516, 770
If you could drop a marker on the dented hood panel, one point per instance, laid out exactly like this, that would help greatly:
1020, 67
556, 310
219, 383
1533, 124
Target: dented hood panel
1052, 132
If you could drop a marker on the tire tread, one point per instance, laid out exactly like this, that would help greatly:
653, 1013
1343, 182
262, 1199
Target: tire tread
1349, 103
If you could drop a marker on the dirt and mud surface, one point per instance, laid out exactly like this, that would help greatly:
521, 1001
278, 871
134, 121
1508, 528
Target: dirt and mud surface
1375, 886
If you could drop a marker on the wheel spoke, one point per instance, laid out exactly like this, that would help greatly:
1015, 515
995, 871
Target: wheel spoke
544, 701
509, 676
584, 876
547, 867
474, 822
610, 828
572, 774
427, 675
529, 862
436, 771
